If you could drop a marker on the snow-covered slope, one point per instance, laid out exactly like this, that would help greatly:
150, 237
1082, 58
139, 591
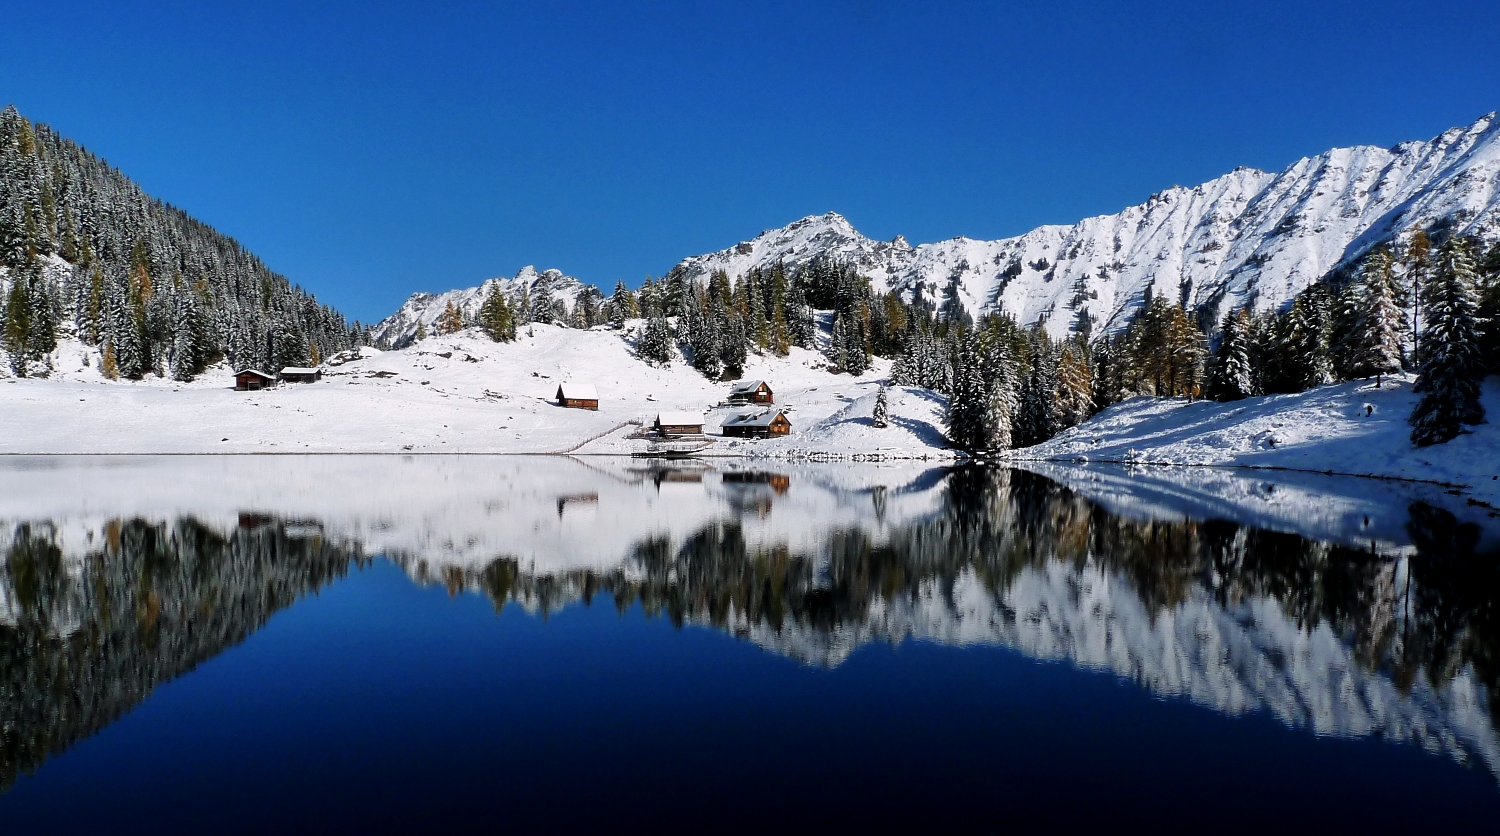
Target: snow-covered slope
399, 329
1248, 237
1347, 428
459, 393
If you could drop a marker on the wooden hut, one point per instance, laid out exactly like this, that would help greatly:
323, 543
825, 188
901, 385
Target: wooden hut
670, 424
301, 374
758, 424
578, 396
250, 380
751, 391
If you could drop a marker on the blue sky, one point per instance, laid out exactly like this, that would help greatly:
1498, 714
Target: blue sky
368, 150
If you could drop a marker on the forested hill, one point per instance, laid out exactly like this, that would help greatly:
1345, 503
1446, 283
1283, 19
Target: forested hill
84, 249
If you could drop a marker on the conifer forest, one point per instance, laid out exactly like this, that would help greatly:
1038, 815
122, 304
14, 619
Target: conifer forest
87, 251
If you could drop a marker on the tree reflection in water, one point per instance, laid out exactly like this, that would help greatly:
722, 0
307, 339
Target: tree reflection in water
1233, 617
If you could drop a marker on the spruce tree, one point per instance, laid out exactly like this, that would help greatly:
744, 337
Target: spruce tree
1451, 366
16, 336
1373, 346
968, 403
1232, 378
655, 342
879, 418
495, 316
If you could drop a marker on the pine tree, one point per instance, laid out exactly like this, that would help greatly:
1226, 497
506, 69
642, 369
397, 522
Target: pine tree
655, 342
1373, 345
706, 349
1232, 378
16, 335
622, 305
496, 317
879, 418
1451, 367
542, 309
801, 326
968, 404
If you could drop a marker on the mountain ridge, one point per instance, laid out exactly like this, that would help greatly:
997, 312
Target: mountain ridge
1246, 238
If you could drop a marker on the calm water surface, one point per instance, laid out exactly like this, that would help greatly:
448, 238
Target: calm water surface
329, 644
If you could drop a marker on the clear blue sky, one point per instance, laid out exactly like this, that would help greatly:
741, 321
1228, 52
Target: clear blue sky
369, 150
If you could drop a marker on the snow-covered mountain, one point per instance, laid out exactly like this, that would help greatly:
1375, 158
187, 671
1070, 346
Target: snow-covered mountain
1247, 237
399, 329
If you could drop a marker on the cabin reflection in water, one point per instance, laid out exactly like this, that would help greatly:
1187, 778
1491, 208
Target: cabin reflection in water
1222, 614
754, 492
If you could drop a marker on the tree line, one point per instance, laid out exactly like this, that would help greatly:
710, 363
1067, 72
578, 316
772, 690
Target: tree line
1432, 308
86, 252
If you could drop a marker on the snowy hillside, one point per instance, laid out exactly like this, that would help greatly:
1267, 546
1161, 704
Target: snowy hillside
1246, 237
1347, 428
399, 329
460, 393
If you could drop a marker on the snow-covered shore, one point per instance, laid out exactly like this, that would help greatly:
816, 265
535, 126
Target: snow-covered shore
1347, 428
461, 393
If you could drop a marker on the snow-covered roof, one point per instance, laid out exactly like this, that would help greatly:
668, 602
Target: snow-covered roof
255, 371
753, 419
680, 419
578, 392
299, 370
745, 387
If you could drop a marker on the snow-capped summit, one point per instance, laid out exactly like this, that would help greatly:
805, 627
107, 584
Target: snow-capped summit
1247, 237
399, 329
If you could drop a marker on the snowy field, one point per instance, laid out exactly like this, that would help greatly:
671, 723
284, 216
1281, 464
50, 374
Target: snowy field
1346, 428
461, 393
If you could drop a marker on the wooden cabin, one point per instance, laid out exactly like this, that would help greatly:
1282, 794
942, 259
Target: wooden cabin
301, 374
578, 396
751, 391
758, 424
670, 424
250, 380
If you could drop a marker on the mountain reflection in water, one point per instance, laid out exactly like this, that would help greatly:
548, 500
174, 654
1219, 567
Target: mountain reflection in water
1396, 642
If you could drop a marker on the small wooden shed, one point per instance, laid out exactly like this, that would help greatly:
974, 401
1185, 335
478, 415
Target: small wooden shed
301, 374
758, 424
669, 424
251, 380
751, 391
578, 396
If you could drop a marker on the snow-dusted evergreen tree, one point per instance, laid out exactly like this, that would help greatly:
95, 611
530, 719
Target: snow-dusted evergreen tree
801, 326
522, 308
1232, 377
1373, 346
880, 417
542, 308
192, 340
622, 305
848, 347
968, 403
656, 341
1451, 366
705, 343
1037, 417
496, 318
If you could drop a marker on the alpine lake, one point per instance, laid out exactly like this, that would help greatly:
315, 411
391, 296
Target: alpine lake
252, 644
